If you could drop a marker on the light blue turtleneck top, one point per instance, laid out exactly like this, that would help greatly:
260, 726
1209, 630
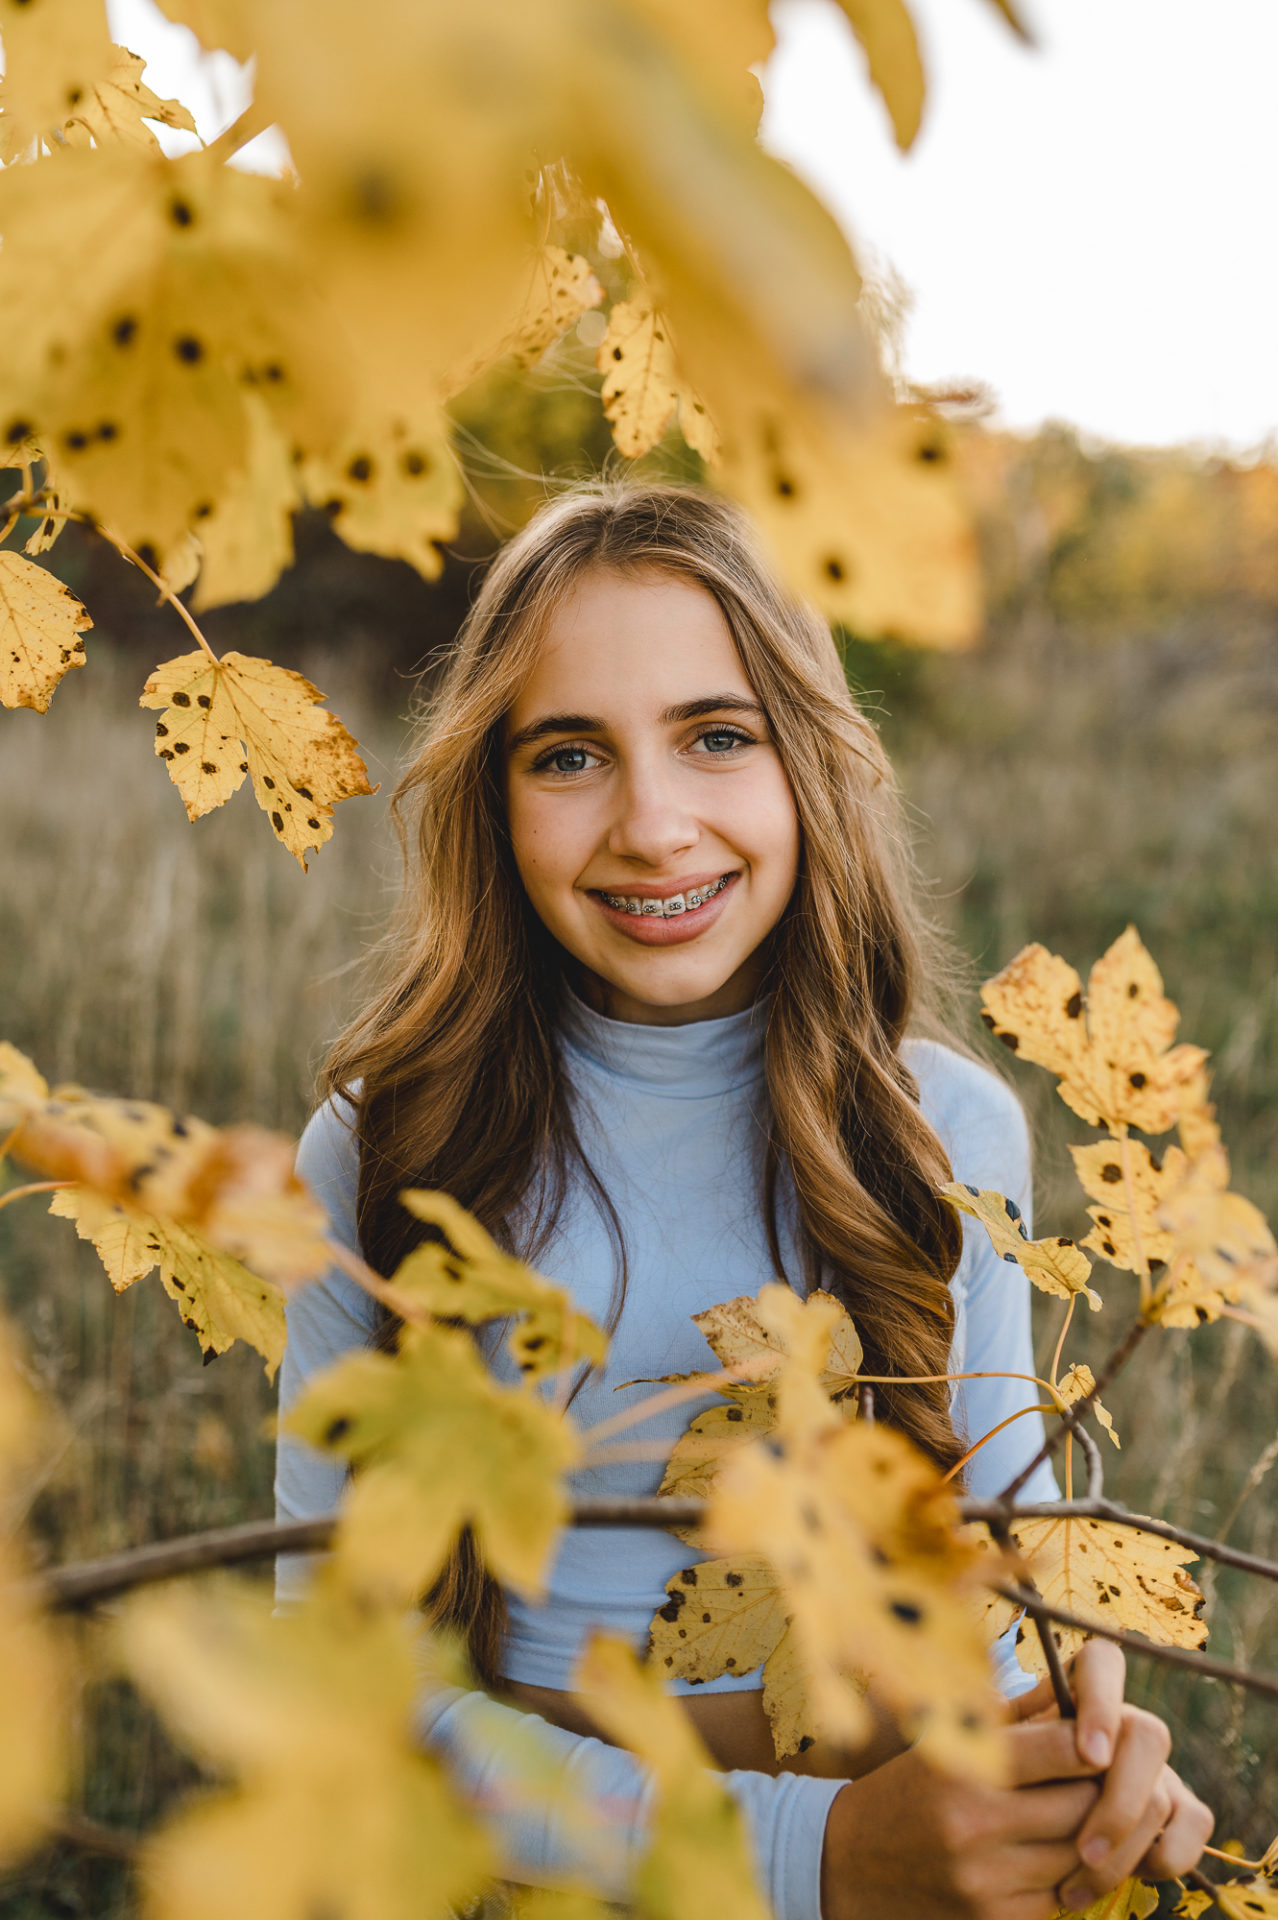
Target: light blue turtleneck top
670, 1120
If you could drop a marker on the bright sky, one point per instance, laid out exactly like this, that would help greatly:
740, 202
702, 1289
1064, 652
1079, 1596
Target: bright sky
1086, 227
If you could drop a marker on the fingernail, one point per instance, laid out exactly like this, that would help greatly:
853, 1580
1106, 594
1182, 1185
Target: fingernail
1076, 1896
1096, 1850
1095, 1746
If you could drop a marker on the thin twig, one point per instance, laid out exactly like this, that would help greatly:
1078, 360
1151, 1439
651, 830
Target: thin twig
1118, 1358
1001, 1533
1110, 1510
1200, 1663
123, 548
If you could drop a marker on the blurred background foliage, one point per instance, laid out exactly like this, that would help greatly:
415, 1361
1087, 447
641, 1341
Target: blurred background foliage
1106, 755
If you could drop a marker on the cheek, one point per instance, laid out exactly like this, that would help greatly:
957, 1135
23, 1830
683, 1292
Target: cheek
543, 841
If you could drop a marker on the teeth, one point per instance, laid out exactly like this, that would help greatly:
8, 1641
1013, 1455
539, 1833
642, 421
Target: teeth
672, 905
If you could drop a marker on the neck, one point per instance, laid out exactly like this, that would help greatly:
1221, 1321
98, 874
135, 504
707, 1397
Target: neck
737, 993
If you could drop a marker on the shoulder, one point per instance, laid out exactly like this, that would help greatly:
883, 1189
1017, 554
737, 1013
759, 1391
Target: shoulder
978, 1118
328, 1161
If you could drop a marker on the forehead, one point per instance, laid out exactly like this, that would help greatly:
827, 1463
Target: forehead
622, 644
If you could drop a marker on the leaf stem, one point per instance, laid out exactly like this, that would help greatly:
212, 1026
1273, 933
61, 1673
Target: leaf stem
166, 592
1060, 1344
34, 1186
675, 1396
1118, 1359
1018, 1415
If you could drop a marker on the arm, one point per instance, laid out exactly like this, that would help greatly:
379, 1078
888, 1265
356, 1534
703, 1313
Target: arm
518, 1769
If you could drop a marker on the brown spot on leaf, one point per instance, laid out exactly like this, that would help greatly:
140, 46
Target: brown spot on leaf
188, 349
277, 823
181, 699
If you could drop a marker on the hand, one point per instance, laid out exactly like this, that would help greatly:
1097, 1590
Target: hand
907, 1839
1145, 1819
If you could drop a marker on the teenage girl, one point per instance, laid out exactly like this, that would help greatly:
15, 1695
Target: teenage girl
658, 1009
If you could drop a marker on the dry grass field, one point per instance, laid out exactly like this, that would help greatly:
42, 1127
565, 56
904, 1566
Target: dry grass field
1062, 784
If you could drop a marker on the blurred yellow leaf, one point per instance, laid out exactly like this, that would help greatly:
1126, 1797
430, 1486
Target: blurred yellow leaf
54, 58
1252, 1900
466, 1276
334, 1809
1113, 1059
40, 628
1130, 1900
216, 23
1055, 1265
642, 388
219, 1299
35, 1716
766, 1331
560, 287
863, 1539
891, 47
392, 487
699, 1858
1115, 1575
224, 718
246, 537
438, 1445
235, 1186
138, 372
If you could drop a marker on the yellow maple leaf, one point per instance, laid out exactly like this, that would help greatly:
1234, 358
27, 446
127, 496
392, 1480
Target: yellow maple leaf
1055, 1265
1248, 1900
767, 1330
699, 1855
1192, 1902
438, 1445
235, 1186
1223, 1250
224, 718
135, 378
219, 1299
1077, 1381
560, 287
53, 59
891, 48
1112, 1052
35, 1715
863, 1540
1130, 1900
1100, 1170
466, 1276
698, 1454
246, 537
40, 628
643, 388
333, 1807
393, 486
1107, 1572
118, 105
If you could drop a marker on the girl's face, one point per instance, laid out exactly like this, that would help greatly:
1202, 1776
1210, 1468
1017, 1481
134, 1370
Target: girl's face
652, 823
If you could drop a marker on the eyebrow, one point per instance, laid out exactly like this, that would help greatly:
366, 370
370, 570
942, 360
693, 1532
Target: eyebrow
586, 723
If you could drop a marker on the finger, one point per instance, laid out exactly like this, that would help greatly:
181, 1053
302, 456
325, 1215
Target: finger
1040, 1750
1134, 1789
1102, 1876
1003, 1873
1180, 1844
1098, 1675
1039, 1699
1049, 1813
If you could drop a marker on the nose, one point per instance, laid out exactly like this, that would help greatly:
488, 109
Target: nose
652, 824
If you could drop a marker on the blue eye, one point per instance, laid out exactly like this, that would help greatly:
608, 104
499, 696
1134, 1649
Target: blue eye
565, 760
723, 739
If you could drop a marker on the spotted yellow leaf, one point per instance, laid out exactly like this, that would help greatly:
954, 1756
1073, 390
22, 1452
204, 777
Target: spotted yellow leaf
118, 106
1055, 1265
438, 1445
1115, 1236
1074, 1384
40, 628
698, 1856
330, 1806
246, 535
1130, 1900
466, 1276
393, 487
221, 719
730, 1616
560, 287
862, 1538
1192, 1902
891, 48
54, 59
764, 1331
698, 1454
1249, 1900
219, 1299
1112, 1051
234, 1186
1099, 1570
643, 388
1223, 1250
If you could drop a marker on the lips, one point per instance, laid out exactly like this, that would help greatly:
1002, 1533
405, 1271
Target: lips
654, 918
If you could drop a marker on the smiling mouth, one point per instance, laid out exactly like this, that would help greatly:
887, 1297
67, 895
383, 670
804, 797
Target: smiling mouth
669, 907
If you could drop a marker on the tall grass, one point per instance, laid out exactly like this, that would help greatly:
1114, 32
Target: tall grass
1061, 786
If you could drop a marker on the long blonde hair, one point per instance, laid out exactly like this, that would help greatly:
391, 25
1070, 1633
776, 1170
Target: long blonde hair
455, 1057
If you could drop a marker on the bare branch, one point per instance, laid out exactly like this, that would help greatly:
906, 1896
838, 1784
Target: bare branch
1200, 1663
1118, 1358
